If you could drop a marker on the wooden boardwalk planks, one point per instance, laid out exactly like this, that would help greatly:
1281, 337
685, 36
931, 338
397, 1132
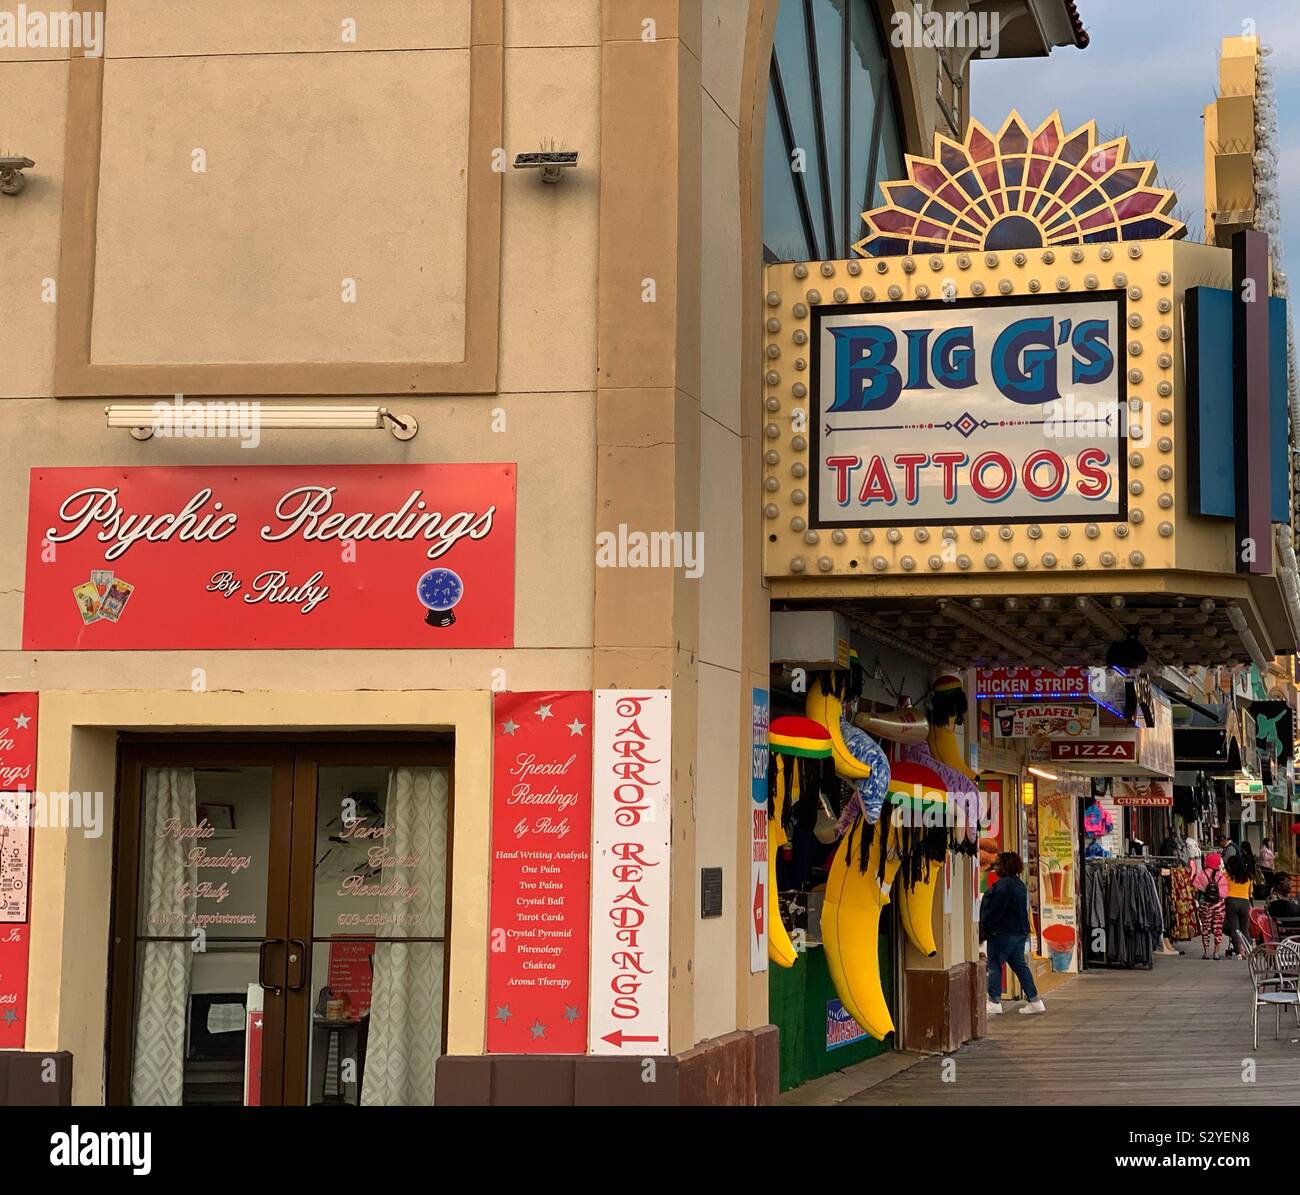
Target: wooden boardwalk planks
1176, 1035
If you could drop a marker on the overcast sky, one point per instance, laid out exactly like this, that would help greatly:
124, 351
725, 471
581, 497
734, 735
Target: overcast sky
1150, 70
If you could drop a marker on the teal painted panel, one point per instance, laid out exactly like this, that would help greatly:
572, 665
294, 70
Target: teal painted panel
1211, 437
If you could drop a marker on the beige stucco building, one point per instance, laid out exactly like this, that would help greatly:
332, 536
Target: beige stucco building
298, 207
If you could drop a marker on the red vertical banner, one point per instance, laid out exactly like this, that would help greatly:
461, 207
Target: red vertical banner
540, 929
253, 1048
18, 742
13, 986
18, 713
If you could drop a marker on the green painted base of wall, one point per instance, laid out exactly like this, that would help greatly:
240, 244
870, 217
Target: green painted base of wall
797, 1000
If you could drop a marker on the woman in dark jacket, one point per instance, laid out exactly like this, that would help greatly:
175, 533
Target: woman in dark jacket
1004, 925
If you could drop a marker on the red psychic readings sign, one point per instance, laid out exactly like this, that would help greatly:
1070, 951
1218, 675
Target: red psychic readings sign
18, 742
270, 556
539, 938
18, 716
13, 986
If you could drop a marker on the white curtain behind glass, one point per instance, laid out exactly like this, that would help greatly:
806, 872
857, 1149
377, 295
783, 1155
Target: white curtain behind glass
405, 1036
158, 1063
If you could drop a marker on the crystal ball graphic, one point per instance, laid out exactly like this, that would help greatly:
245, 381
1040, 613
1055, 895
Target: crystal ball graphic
439, 590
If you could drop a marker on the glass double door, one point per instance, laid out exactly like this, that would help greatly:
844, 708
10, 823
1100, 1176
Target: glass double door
280, 923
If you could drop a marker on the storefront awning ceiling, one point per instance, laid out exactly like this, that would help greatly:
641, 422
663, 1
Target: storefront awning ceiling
1049, 631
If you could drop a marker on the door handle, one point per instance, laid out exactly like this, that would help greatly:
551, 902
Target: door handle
274, 988
298, 958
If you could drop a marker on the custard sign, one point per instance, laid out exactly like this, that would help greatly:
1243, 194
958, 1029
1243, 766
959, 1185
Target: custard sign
349, 556
985, 410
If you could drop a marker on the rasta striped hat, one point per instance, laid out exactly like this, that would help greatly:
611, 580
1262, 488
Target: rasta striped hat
794, 735
806, 745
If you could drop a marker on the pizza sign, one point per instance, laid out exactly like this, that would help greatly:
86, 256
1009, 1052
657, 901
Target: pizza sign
1069, 749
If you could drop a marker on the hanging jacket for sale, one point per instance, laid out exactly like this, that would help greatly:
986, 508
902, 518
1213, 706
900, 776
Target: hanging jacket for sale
1096, 820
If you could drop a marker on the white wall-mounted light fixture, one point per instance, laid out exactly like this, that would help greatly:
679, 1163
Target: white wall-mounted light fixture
172, 418
11, 173
1044, 773
551, 162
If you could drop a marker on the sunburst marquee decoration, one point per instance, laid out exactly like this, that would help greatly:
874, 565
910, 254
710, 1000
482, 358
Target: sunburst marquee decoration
1020, 189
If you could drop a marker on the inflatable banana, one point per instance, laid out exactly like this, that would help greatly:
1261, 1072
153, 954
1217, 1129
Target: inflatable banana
903, 725
827, 710
920, 791
943, 746
780, 949
798, 746
917, 909
948, 708
851, 911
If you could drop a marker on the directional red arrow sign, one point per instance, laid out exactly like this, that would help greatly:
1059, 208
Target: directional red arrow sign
758, 908
618, 1037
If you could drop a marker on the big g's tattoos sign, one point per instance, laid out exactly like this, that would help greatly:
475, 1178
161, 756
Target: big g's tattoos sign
986, 410
348, 556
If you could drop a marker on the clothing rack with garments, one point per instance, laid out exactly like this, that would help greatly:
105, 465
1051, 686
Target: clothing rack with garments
1123, 899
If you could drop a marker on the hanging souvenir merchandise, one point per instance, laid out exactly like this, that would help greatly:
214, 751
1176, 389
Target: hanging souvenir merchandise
948, 706
800, 755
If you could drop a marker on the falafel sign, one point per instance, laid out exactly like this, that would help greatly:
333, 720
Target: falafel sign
976, 411
270, 556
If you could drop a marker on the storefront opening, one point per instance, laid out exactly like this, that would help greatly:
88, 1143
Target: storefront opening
280, 923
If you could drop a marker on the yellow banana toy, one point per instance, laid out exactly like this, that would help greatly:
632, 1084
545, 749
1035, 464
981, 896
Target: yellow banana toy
799, 748
917, 910
826, 709
943, 746
914, 788
851, 928
780, 949
947, 708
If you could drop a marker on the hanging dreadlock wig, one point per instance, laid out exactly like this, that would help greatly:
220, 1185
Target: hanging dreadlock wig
917, 803
963, 797
798, 761
853, 687
948, 700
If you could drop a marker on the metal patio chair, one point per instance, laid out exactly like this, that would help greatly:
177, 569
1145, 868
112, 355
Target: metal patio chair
1269, 984
1286, 966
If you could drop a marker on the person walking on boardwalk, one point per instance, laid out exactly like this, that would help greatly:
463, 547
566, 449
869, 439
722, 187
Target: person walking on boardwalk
1240, 870
1211, 887
1004, 925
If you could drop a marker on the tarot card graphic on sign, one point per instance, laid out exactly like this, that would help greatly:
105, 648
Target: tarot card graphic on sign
88, 601
115, 599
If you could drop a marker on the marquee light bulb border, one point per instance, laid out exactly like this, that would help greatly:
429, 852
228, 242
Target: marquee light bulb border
1020, 189
902, 555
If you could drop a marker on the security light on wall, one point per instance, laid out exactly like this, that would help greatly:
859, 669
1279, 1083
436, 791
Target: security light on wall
551, 162
11, 173
168, 418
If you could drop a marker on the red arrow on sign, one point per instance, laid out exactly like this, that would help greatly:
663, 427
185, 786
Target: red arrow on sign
618, 1037
758, 909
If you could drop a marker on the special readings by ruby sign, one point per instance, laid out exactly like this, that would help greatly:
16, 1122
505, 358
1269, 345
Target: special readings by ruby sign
350, 556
